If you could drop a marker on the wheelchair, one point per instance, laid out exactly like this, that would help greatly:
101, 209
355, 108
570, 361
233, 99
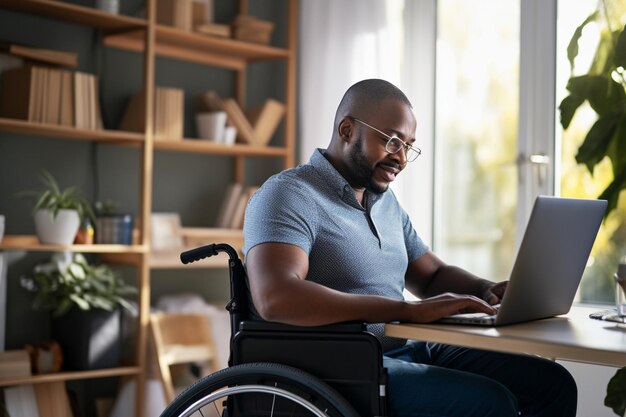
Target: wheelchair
283, 370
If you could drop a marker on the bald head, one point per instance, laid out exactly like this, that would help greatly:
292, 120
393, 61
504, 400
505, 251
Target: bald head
364, 98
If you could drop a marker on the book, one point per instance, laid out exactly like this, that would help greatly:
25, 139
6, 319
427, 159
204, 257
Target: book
52, 399
240, 210
48, 56
229, 203
53, 96
17, 93
14, 363
176, 13
214, 29
265, 119
20, 401
66, 107
134, 115
245, 132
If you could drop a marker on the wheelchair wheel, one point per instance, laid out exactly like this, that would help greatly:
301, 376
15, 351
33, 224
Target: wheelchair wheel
259, 390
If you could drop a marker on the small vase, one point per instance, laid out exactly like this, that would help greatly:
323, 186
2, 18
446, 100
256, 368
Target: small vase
60, 230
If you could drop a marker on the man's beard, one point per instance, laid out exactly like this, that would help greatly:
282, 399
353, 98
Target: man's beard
363, 172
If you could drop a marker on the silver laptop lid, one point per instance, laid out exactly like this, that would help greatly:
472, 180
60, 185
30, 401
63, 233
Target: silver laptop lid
551, 258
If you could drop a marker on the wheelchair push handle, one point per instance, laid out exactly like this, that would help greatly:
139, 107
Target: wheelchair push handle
207, 251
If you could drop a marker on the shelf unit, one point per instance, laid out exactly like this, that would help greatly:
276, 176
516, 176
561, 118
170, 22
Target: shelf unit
145, 37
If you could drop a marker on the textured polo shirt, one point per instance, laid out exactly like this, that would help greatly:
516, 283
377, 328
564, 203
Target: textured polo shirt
351, 249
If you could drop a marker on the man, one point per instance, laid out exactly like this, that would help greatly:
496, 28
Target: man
328, 242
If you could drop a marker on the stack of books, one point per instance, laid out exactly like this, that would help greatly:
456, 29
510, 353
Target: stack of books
233, 208
50, 95
168, 114
255, 128
250, 29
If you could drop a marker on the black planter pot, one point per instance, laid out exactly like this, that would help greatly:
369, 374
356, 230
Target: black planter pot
89, 339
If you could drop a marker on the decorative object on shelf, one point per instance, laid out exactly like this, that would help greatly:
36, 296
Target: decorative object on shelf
165, 231
211, 125
86, 302
604, 87
86, 233
112, 227
111, 6
57, 212
45, 357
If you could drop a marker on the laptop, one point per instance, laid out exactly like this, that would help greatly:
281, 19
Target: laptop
549, 264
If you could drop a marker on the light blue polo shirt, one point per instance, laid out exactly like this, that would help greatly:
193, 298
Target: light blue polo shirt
351, 249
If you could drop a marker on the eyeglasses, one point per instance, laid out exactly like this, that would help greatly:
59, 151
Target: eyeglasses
394, 143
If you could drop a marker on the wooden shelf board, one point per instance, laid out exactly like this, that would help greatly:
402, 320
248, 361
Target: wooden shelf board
82, 15
30, 243
204, 146
193, 47
71, 376
66, 132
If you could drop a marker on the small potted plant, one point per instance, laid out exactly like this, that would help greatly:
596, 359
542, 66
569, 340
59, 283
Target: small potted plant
58, 213
85, 301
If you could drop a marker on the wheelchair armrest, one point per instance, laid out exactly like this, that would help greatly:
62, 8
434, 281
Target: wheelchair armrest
270, 326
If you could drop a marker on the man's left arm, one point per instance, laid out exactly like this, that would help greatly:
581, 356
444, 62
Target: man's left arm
428, 276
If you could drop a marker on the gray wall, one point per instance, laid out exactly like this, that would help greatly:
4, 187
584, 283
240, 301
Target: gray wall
190, 184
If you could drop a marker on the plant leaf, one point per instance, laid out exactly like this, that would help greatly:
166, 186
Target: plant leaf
572, 48
597, 141
568, 107
620, 50
616, 392
612, 192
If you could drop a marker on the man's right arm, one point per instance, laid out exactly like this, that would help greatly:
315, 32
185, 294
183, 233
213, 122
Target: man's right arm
280, 291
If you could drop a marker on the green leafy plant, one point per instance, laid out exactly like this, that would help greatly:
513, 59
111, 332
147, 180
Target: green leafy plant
69, 280
53, 198
604, 88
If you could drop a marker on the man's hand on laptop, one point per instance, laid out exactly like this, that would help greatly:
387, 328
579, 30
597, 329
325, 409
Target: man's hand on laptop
493, 295
447, 304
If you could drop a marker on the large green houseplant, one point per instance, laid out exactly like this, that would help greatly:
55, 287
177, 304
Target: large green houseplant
604, 88
70, 281
86, 302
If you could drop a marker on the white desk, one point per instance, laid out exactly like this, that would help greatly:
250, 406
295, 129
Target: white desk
573, 337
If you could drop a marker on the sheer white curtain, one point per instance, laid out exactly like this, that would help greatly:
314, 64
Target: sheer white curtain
341, 42
345, 41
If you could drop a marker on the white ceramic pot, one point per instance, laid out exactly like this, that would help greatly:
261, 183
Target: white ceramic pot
58, 231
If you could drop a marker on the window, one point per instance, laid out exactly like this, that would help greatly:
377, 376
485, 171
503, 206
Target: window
574, 179
477, 84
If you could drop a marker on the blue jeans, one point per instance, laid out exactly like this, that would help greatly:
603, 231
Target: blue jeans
431, 379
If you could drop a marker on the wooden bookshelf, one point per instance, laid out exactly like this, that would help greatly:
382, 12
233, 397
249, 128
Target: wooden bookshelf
71, 376
150, 40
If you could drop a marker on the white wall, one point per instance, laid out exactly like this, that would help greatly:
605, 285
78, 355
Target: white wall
592, 381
